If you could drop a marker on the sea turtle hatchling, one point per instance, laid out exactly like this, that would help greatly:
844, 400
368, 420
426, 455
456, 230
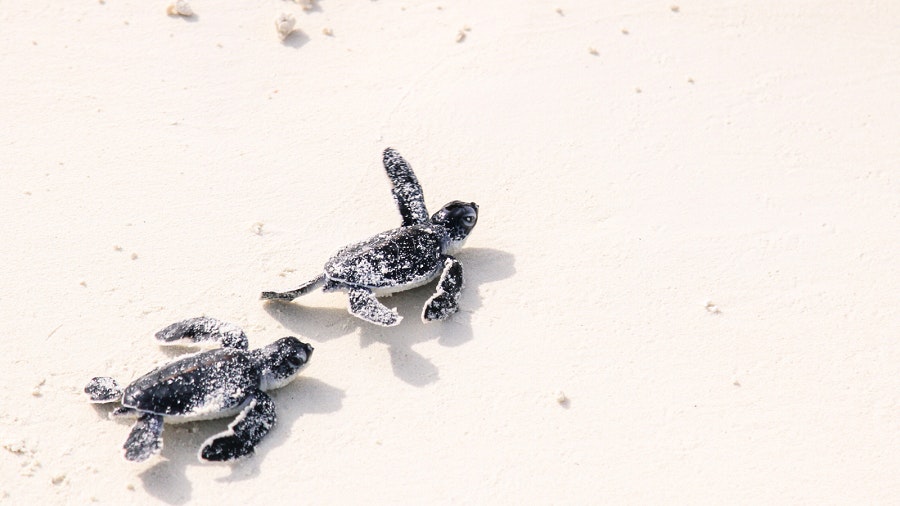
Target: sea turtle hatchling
407, 257
211, 384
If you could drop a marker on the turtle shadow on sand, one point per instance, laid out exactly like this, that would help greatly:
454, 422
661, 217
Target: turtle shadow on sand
167, 481
482, 266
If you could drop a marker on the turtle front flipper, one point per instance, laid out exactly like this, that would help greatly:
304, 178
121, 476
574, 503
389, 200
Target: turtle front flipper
203, 330
364, 304
103, 389
293, 294
445, 301
145, 438
407, 191
244, 433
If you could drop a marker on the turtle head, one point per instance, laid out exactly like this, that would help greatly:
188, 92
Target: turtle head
459, 219
280, 361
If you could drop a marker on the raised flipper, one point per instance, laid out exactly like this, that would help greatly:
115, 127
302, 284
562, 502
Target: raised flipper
145, 438
244, 433
445, 301
363, 304
293, 294
407, 191
203, 330
103, 389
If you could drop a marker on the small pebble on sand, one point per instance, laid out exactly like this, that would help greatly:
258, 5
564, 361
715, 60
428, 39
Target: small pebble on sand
307, 5
180, 8
461, 35
284, 25
36, 391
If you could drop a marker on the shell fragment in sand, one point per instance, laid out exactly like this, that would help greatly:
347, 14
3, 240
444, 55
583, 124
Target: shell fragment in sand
284, 25
180, 8
307, 5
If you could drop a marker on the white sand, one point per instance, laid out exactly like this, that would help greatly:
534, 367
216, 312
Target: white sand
689, 238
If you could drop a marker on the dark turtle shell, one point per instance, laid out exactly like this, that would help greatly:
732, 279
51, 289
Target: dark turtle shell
203, 384
398, 257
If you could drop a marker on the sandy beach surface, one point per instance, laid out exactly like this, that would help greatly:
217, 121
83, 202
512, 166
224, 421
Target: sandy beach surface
683, 287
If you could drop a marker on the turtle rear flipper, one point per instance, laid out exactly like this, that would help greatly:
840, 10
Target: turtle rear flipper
445, 301
293, 294
244, 433
103, 389
145, 438
407, 191
202, 330
364, 304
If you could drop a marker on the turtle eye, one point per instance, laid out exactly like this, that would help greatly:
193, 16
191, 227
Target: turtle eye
468, 219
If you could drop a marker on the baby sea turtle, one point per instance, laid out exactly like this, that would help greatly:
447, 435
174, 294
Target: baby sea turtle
412, 255
211, 384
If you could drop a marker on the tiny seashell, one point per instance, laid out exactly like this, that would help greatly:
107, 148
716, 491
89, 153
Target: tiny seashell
180, 8
284, 25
